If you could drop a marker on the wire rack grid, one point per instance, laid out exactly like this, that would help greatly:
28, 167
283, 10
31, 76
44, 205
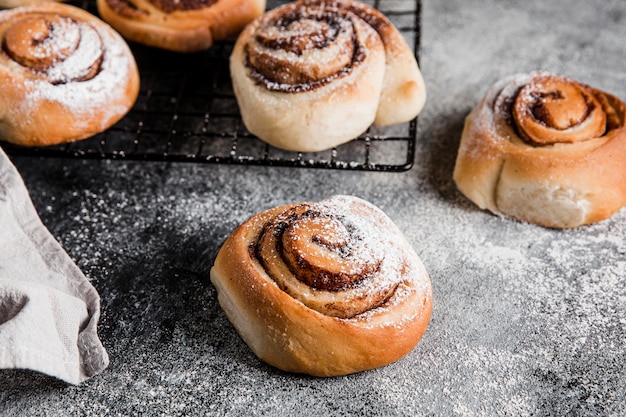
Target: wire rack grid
186, 111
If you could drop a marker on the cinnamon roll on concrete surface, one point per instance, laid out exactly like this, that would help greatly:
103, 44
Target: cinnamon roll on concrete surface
325, 288
65, 75
313, 74
545, 149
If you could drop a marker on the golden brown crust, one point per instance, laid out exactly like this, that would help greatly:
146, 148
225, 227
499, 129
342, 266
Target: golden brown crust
65, 75
538, 168
311, 75
179, 26
10, 4
292, 336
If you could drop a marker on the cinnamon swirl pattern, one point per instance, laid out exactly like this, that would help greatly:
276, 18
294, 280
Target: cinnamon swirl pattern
313, 74
179, 25
65, 75
326, 288
545, 149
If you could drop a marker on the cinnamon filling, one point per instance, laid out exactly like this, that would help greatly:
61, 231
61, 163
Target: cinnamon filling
318, 35
553, 109
323, 252
59, 48
170, 6
40, 42
304, 49
372, 16
324, 260
129, 9
126, 8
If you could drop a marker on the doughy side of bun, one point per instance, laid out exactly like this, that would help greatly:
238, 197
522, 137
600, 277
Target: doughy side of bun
65, 75
288, 334
545, 149
311, 75
314, 120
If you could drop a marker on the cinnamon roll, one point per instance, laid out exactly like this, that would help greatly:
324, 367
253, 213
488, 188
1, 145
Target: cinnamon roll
9, 4
313, 74
545, 149
179, 25
325, 288
65, 75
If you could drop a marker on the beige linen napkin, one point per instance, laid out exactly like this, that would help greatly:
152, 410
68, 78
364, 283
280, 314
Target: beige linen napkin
48, 309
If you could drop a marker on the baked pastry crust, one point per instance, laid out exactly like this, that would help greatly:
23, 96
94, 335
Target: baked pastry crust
10, 4
404, 92
180, 26
313, 74
354, 297
545, 149
65, 75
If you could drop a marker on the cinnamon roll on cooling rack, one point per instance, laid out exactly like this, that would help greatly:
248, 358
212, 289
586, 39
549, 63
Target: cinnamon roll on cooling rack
8, 4
326, 288
179, 25
313, 74
545, 149
65, 75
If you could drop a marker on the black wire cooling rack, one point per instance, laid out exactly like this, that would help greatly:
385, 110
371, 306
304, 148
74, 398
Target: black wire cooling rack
186, 112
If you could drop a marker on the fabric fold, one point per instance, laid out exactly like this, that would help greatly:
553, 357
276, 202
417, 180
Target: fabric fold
49, 310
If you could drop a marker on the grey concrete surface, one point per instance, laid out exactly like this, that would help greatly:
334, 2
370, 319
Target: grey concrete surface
526, 322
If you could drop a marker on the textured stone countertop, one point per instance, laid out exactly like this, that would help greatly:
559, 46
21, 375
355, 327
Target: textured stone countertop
526, 320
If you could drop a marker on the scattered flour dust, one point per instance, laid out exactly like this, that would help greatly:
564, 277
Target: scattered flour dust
521, 313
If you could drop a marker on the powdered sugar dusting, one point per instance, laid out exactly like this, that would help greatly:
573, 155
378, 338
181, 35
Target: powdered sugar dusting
352, 244
379, 237
65, 37
81, 62
492, 114
101, 92
301, 47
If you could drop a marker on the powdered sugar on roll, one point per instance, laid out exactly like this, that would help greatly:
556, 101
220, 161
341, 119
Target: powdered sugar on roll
325, 288
311, 75
545, 149
62, 64
349, 257
64, 82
